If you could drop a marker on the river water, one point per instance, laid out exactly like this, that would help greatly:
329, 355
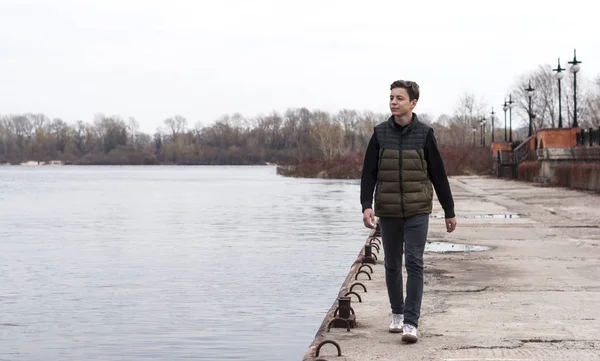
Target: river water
170, 263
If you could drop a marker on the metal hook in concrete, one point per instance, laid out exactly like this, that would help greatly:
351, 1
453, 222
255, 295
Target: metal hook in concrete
365, 272
376, 246
338, 319
339, 349
354, 293
358, 284
365, 265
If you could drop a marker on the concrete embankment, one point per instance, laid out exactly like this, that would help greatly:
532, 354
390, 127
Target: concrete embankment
533, 294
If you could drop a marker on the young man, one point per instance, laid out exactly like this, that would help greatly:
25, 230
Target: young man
401, 163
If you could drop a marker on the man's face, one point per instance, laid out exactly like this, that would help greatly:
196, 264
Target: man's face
400, 103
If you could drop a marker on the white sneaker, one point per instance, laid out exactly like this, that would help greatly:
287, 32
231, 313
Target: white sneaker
397, 321
409, 333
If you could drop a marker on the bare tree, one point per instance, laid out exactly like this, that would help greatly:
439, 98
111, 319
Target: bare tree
5, 138
133, 128
296, 134
545, 104
592, 101
39, 123
349, 120
267, 131
444, 120
176, 125
544, 101
22, 127
327, 135
367, 121
467, 115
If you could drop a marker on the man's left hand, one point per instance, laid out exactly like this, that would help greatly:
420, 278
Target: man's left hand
450, 224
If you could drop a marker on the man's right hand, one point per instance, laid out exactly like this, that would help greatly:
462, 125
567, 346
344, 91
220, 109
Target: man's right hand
369, 218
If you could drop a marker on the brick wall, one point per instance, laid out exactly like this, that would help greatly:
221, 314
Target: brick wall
557, 137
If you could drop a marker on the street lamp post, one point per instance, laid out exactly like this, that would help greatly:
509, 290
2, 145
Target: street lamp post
505, 108
530, 92
482, 131
510, 105
492, 116
574, 70
559, 75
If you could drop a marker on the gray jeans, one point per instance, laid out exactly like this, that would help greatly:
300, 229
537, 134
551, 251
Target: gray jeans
408, 235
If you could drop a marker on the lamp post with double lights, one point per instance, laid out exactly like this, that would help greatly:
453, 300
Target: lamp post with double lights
574, 69
482, 125
530, 92
492, 116
559, 75
481, 132
505, 108
510, 105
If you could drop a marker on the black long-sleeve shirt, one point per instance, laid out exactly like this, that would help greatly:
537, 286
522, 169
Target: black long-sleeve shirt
435, 170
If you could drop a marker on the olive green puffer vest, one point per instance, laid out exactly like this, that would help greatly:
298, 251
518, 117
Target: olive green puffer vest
403, 186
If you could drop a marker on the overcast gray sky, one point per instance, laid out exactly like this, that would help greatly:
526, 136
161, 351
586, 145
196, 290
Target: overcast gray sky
152, 59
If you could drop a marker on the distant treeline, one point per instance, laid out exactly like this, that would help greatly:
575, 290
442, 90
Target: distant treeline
295, 135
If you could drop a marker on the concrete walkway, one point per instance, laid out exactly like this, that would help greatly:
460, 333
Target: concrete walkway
534, 296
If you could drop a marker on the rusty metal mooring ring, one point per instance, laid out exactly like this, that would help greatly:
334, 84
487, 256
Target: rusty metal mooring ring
354, 293
335, 313
374, 256
376, 246
335, 319
337, 345
365, 265
365, 272
357, 284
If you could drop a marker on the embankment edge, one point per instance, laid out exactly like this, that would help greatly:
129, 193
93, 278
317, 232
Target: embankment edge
322, 331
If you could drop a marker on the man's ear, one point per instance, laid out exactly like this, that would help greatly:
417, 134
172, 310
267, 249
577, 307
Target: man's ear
413, 103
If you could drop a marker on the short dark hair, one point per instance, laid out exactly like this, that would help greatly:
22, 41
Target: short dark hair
411, 87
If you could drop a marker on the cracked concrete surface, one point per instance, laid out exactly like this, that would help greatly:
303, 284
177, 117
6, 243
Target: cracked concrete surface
534, 296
